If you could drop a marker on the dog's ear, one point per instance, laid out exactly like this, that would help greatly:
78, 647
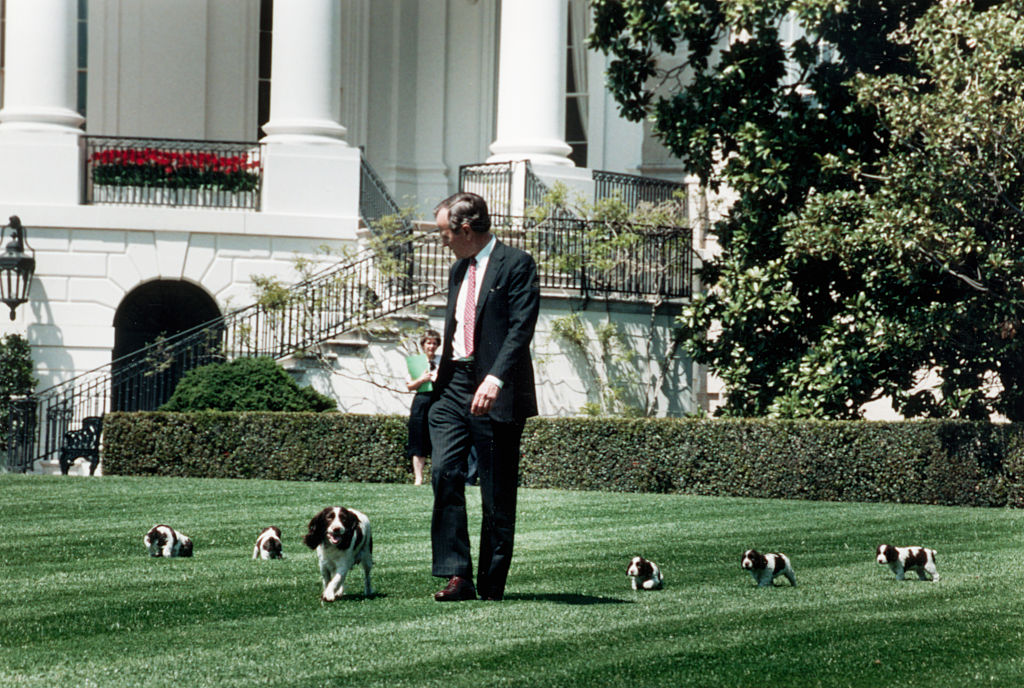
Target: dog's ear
353, 534
277, 531
317, 530
186, 548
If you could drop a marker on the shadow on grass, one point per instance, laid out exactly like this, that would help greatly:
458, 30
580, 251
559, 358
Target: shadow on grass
567, 598
356, 597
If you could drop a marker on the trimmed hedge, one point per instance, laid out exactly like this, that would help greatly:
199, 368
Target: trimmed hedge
270, 445
928, 462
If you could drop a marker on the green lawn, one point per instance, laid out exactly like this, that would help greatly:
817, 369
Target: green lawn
82, 604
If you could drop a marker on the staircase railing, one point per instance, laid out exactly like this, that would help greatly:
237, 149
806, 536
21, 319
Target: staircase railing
376, 203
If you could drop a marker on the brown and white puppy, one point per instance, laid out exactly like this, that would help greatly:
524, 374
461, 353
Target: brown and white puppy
644, 574
164, 541
920, 560
766, 567
342, 539
268, 544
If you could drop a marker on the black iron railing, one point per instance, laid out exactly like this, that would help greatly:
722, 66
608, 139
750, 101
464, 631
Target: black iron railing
594, 259
376, 203
172, 172
634, 190
502, 184
534, 190
492, 181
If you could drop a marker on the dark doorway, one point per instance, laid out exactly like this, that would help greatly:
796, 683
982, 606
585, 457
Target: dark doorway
145, 379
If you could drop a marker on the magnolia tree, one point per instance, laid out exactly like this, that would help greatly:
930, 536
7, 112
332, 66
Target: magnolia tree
871, 148
933, 234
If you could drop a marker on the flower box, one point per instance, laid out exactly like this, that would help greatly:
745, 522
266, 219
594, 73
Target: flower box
186, 178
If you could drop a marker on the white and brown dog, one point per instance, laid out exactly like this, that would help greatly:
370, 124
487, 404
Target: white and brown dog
268, 544
644, 574
920, 560
164, 541
765, 568
342, 539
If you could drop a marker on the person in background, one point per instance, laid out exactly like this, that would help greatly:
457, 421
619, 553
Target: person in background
483, 394
419, 432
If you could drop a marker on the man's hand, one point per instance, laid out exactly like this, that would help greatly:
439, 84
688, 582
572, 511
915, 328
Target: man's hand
484, 398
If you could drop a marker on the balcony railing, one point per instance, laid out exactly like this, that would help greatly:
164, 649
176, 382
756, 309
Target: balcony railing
512, 187
634, 190
595, 260
172, 172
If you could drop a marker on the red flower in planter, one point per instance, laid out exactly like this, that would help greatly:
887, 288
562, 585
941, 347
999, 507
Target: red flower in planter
166, 168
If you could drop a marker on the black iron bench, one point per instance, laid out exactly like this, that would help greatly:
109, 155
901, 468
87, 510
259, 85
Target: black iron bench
83, 443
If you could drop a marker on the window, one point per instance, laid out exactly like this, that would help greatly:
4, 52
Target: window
576, 84
81, 73
263, 88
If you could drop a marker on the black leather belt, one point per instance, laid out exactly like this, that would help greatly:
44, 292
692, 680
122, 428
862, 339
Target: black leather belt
463, 363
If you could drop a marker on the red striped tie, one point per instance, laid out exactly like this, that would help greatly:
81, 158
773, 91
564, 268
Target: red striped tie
469, 315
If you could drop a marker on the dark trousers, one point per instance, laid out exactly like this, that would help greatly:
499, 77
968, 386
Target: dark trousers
453, 431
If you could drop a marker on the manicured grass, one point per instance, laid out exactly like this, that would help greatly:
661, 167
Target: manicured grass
82, 604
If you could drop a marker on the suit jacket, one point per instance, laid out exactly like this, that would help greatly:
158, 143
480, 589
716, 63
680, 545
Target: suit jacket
506, 314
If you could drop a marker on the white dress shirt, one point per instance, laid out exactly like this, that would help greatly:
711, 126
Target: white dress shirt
483, 257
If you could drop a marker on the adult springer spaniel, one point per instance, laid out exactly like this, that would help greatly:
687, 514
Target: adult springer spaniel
920, 560
766, 567
268, 544
164, 541
342, 539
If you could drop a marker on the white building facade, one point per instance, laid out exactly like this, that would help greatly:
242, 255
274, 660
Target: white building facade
416, 88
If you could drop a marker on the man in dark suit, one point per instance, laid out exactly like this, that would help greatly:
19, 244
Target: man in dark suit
484, 393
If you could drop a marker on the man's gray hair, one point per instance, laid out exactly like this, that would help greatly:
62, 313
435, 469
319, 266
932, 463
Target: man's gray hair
466, 207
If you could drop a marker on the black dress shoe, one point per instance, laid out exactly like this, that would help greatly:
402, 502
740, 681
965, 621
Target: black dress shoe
457, 590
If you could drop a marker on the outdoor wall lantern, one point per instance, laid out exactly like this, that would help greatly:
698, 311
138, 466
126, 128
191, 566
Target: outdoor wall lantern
16, 268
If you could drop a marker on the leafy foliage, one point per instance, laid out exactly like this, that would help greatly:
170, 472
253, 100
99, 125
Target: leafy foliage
245, 384
772, 121
15, 377
933, 233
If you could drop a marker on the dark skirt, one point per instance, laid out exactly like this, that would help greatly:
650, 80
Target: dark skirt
419, 432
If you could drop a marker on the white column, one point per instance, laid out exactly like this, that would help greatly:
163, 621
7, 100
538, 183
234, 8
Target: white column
308, 169
40, 138
305, 86
531, 83
40, 43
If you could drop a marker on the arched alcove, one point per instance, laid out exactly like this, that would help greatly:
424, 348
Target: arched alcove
160, 308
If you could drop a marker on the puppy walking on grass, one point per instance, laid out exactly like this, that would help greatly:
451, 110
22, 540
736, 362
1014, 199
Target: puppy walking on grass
765, 568
920, 560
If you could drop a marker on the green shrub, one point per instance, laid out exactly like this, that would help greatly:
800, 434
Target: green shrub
245, 384
930, 462
15, 377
